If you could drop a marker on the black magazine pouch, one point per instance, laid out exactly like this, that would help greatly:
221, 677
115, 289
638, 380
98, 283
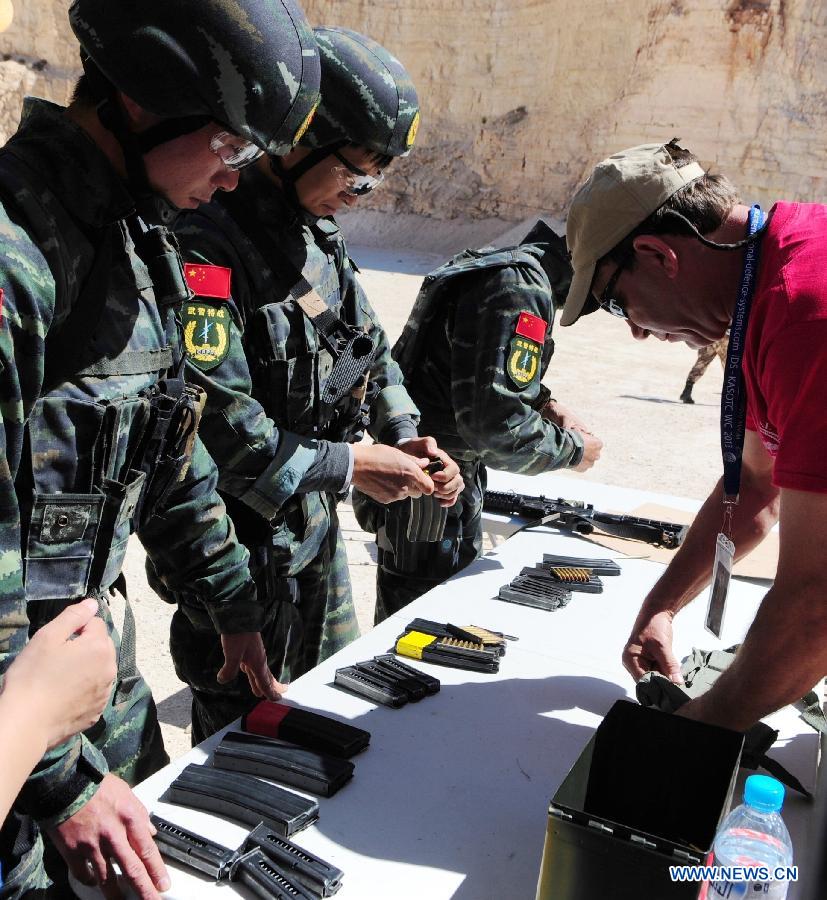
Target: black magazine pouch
59, 550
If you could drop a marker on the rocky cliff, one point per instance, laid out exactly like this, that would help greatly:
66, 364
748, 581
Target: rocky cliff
520, 97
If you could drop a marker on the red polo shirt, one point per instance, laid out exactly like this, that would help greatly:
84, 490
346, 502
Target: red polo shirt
785, 354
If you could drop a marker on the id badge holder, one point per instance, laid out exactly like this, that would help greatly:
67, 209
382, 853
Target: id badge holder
719, 589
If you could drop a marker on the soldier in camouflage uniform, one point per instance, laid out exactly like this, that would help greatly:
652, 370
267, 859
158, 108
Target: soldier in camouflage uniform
705, 357
97, 423
267, 363
472, 354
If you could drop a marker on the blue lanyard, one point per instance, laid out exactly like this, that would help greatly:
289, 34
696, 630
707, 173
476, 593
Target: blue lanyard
734, 394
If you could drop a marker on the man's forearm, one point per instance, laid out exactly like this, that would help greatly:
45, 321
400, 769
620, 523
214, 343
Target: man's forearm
690, 570
783, 655
22, 744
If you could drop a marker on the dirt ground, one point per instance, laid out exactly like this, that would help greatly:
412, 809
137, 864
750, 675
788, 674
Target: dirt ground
627, 391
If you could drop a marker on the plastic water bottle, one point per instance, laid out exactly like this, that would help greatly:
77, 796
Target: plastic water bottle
754, 834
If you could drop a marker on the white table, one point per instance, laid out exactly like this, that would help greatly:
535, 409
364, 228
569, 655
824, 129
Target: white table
451, 798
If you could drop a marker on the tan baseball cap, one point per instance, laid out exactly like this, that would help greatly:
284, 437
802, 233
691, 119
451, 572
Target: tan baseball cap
622, 191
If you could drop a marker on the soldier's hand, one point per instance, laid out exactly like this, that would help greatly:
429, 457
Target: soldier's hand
65, 673
649, 648
114, 826
591, 452
387, 474
563, 417
448, 483
246, 652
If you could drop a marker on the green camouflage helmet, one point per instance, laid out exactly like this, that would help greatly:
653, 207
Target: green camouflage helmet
368, 97
251, 65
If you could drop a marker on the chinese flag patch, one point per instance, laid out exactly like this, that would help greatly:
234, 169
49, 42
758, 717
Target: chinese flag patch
208, 281
532, 327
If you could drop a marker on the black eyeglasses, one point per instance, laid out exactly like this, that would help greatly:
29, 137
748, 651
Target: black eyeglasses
607, 300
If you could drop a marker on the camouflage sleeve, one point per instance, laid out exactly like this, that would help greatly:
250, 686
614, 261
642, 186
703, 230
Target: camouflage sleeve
393, 415
259, 463
495, 374
193, 547
66, 778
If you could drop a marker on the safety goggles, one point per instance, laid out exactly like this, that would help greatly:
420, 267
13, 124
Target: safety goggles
355, 181
233, 151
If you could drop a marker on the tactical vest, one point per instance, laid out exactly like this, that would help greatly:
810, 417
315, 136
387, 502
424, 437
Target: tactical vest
110, 434
302, 365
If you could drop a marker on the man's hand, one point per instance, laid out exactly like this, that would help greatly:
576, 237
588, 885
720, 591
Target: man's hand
448, 483
65, 673
114, 826
591, 452
387, 474
649, 648
245, 651
563, 417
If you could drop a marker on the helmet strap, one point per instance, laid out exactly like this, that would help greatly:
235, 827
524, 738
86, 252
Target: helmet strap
150, 205
168, 130
290, 176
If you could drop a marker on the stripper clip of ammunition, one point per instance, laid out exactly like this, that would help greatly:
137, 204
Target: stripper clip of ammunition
574, 581
448, 652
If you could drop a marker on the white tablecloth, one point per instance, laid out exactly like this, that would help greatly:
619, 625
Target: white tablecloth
451, 798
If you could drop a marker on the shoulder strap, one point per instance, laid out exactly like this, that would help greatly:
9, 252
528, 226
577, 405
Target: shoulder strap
327, 324
64, 345
432, 294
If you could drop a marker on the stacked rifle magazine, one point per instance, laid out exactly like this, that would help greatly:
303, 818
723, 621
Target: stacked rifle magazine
306, 729
549, 585
242, 798
316, 773
296, 747
270, 865
467, 647
387, 681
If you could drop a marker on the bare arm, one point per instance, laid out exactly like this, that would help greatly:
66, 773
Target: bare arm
785, 651
57, 686
649, 647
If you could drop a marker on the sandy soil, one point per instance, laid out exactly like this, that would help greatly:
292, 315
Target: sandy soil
627, 391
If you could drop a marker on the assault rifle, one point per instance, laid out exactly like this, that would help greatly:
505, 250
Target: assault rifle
583, 518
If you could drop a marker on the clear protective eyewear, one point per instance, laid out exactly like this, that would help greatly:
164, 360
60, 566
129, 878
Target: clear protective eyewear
356, 181
233, 151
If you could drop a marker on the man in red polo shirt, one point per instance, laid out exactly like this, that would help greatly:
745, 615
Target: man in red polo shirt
669, 247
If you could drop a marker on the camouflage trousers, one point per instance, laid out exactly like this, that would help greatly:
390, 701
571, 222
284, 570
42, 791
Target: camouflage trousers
705, 357
399, 577
129, 737
310, 616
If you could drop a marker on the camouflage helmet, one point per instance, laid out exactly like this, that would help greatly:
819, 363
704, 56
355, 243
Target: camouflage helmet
251, 65
368, 97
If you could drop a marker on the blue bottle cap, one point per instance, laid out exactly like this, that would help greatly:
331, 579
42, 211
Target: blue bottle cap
764, 793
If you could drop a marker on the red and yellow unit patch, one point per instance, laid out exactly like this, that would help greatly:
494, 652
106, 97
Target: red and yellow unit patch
525, 350
208, 281
206, 333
